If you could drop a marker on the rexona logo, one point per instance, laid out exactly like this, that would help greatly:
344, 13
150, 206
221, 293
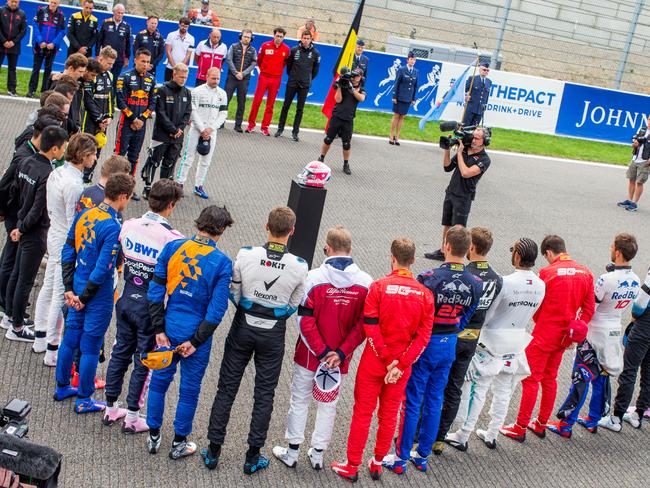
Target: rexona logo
138, 248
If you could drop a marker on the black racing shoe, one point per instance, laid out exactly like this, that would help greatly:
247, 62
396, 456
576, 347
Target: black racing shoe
135, 197
238, 129
210, 461
346, 168
295, 138
435, 255
279, 132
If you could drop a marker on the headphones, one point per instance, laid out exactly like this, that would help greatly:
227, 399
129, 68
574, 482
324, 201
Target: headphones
252, 36
487, 135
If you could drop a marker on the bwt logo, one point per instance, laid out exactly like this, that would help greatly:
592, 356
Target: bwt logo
138, 248
518, 94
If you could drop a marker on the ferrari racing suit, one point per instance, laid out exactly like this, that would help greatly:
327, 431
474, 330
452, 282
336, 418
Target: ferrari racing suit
267, 286
192, 276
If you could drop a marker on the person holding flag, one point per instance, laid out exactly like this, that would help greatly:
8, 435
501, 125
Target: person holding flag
477, 92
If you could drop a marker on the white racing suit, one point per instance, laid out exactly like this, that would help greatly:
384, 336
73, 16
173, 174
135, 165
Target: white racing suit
209, 110
500, 361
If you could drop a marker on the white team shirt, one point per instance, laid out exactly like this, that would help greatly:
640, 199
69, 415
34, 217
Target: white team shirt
180, 46
63, 190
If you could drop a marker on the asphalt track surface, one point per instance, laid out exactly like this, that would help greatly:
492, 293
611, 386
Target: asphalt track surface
393, 191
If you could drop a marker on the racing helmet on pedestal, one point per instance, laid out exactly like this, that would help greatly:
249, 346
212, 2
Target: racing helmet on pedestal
315, 174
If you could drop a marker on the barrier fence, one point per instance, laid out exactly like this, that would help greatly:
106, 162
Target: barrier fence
517, 101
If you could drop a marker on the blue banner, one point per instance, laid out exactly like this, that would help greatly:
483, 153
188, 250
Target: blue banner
598, 113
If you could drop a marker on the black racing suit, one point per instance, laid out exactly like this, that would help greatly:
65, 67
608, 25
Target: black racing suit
173, 109
466, 345
98, 104
303, 64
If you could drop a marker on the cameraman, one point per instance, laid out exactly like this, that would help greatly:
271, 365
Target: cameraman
639, 169
468, 165
349, 92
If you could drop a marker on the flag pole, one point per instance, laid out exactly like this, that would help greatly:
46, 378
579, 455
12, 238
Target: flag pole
471, 85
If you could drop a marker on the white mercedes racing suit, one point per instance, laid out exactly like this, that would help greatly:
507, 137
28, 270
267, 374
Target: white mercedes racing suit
209, 110
500, 360
64, 187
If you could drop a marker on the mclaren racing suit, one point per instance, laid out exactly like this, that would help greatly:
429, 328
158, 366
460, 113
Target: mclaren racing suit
268, 284
135, 98
88, 261
142, 241
500, 363
330, 318
398, 315
209, 111
456, 294
192, 276
616, 291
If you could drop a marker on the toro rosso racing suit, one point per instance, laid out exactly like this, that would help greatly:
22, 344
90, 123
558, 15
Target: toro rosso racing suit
456, 294
88, 261
135, 98
142, 242
330, 318
569, 294
466, 345
268, 284
193, 276
615, 293
398, 315
48, 28
500, 362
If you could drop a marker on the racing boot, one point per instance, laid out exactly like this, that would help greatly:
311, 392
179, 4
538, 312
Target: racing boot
375, 467
287, 455
438, 447
418, 461
145, 192
210, 459
611, 422
135, 425
397, 465
40, 342
88, 405
514, 431
315, 458
200, 192
63, 392
153, 442
113, 414
589, 424
346, 168
50, 358
483, 435
538, 428
560, 428
255, 465
633, 418
346, 471
182, 449
456, 441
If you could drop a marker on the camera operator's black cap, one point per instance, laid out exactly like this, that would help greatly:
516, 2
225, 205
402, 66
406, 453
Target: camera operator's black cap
356, 72
360, 42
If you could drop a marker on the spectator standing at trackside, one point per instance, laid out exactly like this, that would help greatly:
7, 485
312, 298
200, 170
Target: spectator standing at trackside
204, 15
406, 84
310, 26
242, 60
49, 29
151, 39
179, 46
83, 30
478, 98
115, 32
209, 112
342, 122
13, 27
209, 53
360, 61
271, 60
639, 169
302, 67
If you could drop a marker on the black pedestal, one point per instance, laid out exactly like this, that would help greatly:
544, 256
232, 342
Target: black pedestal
308, 203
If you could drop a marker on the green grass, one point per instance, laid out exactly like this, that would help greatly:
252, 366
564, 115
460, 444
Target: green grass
378, 124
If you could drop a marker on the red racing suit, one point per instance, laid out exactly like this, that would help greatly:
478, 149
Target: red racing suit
569, 296
271, 61
398, 317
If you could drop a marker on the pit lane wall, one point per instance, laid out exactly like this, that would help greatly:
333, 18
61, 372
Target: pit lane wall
516, 101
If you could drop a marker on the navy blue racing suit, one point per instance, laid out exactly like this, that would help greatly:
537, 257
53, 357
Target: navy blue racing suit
194, 276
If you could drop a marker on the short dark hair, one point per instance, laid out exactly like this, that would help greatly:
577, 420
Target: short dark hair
54, 112
153, 17
141, 51
76, 60
53, 136
214, 220
94, 66
57, 99
119, 184
44, 96
79, 146
44, 121
281, 30
163, 192
627, 245
66, 88
184, 20
88, 1
403, 250
481, 240
306, 33
527, 250
281, 221
553, 243
459, 238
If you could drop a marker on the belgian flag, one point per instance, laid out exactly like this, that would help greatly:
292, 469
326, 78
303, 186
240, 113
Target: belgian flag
345, 59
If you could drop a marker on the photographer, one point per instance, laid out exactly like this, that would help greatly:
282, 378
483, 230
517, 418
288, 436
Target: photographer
468, 165
349, 92
639, 169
